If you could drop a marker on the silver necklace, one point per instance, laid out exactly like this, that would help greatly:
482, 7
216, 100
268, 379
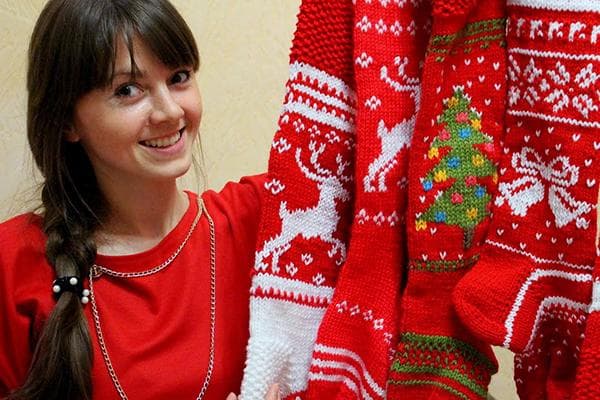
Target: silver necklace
97, 270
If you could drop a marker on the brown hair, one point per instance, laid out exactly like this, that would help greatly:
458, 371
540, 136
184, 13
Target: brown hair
72, 51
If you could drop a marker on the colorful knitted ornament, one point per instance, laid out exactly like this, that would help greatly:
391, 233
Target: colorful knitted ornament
587, 385
452, 177
356, 339
531, 288
306, 214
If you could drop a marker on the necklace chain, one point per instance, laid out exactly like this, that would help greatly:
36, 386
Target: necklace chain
97, 270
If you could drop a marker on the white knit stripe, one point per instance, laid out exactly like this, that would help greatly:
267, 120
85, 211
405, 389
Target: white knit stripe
338, 351
552, 118
554, 54
339, 365
552, 301
531, 279
321, 116
323, 98
282, 336
595, 306
318, 376
559, 5
292, 286
322, 77
539, 260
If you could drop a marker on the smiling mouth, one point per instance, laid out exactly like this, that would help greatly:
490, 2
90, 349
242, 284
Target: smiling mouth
165, 141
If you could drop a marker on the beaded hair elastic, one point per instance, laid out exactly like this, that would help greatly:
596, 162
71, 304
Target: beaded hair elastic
70, 284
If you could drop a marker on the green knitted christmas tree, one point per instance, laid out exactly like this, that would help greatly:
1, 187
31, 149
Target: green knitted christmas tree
458, 147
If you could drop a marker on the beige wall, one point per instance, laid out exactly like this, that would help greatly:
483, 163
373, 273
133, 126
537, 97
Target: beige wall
244, 47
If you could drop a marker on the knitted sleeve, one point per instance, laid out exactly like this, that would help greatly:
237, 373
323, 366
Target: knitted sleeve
305, 217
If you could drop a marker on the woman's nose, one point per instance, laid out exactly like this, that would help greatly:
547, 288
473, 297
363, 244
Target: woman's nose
165, 107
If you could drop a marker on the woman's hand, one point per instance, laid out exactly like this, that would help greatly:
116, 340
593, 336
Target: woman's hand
272, 394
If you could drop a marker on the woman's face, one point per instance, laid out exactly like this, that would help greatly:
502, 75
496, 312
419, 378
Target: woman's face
142, 130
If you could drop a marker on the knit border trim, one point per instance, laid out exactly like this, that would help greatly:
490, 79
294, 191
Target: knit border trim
442, 372
534, 277
362, 376
539, 260
485, 32
558, 5
441, 357
472, 29
275, 287
448, 345
440, 266
424, 382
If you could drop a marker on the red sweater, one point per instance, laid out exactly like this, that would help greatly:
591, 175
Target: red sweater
156, 328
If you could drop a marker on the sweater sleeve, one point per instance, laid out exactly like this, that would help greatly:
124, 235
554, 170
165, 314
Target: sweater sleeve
304, 222
23, 274
241, 204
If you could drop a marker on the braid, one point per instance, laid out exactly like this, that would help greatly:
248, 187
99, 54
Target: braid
62, 360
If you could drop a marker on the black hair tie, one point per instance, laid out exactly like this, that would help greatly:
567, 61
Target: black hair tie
71, 284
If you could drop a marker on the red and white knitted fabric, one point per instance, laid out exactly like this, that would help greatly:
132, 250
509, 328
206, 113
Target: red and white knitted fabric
356, 339
530, 290
587, 385
307, 211
452, 178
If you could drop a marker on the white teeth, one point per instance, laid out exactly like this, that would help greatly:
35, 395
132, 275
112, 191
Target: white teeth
163, 142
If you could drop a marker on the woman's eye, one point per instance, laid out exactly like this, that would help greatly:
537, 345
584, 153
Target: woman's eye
180, 77
128, 90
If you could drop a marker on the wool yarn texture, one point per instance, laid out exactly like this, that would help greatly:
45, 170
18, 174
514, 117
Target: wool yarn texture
307, 209
431, 190
452, 178
356, 339
531, 289
586, 378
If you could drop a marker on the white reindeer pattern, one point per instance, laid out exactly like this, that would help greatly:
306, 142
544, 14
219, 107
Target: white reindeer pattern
319, 221
397, 138
392, 142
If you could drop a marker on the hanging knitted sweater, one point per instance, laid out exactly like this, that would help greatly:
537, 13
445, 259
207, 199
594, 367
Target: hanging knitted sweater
342, 180
304, 230
344, 134
357, 336
532, 288
453, 176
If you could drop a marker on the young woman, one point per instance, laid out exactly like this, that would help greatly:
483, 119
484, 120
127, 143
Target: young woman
123, 286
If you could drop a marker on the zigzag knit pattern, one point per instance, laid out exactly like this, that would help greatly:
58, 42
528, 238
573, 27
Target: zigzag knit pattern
306, 215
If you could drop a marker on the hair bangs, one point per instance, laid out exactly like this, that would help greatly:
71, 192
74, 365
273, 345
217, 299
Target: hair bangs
161, 28
167, 35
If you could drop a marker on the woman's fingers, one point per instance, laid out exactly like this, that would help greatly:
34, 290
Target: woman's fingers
231, 396
273, 393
